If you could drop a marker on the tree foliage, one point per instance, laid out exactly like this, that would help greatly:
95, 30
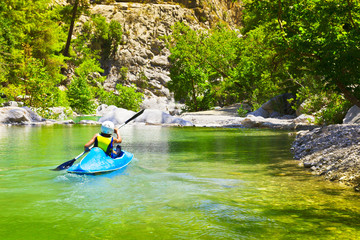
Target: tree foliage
317, 38
30, 40
200, 60
37, 47
284, 46
80, 95
220, 67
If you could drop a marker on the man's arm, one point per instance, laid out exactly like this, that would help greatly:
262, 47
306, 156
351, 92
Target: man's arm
118, 138
91, 142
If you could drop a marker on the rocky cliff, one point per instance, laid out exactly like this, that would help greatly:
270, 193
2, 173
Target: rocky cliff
143, 51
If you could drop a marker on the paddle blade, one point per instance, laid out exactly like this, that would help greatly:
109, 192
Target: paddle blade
135, 116
65, 165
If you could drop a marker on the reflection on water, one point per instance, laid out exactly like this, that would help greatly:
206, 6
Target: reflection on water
185, 183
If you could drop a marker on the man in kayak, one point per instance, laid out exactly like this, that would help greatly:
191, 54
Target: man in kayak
105, 141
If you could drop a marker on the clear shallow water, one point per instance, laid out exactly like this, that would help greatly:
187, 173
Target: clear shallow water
185, 183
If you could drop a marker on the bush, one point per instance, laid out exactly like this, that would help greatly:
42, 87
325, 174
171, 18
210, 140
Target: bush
334, 111
241, 111
62, 99
80, 95
127, 97
328, 107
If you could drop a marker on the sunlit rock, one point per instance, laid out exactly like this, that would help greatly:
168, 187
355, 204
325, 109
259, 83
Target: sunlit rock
352, 116
153, 116
17, 115
150, 116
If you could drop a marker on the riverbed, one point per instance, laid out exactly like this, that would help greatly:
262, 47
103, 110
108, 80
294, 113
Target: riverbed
184, 183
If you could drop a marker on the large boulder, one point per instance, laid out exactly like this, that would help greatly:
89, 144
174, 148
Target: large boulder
104, 109
150, 116
277, 107
13, 104
17, 115
260, 112
352, 116
153, 116
162, 103
116, 115
60, 113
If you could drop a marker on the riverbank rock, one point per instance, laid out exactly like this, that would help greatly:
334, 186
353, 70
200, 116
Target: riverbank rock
13, 104
18, 115
150, 116
228, 117
280, 106
164, 104
59, 113
116, 115
352, 116
332, 151
157, 117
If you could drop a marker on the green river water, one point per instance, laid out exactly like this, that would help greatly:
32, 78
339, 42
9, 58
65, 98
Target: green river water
184, 183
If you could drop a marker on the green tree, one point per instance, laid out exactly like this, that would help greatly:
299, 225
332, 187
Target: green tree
30, 39
125, 97
257, 77
106, 36
38, 85
79, 7
201, 60
315, 38
80, 95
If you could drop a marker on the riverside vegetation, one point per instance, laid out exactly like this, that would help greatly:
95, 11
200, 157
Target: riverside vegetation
308, 48
57, 54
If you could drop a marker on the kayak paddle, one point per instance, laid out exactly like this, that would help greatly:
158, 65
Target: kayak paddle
68, 164
132, 118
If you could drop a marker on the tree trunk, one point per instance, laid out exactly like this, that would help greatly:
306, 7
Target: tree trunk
71, 29
194, 95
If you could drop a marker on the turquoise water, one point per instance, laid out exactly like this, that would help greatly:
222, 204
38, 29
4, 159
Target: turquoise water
185, 183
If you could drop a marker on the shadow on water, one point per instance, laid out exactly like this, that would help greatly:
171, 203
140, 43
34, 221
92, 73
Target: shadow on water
305, 221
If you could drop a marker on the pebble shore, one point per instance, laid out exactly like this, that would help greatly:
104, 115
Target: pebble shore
332, 152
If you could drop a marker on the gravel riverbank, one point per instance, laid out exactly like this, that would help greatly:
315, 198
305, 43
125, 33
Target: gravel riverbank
332, 152
228, 117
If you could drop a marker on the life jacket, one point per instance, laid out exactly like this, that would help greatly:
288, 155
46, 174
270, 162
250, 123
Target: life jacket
105, 143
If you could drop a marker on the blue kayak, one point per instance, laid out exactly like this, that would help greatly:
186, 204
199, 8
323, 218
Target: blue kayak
96, 162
